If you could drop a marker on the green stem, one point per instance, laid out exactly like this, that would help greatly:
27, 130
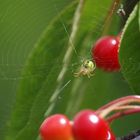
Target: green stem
108, 18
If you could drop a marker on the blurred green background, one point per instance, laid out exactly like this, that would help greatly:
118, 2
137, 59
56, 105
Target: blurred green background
22, 22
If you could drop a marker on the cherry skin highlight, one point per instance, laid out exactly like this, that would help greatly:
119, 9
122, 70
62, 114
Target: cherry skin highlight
56, 127
89, 126
105, 53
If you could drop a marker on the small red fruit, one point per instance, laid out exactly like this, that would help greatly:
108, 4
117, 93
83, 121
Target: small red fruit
56, 127
105, 53
89, 126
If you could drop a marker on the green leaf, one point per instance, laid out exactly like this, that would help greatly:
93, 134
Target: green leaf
21, 24
130, 51
39, 79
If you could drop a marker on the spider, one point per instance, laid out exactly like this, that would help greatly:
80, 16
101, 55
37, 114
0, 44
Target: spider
121, 11
87, 68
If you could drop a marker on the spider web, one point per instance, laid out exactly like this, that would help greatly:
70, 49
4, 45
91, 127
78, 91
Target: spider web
18, 36
14, 52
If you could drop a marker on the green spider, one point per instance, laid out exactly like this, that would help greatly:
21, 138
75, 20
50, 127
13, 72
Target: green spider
87, 68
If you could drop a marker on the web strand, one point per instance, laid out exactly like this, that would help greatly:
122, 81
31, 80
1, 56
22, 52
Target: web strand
68, 55
16, 69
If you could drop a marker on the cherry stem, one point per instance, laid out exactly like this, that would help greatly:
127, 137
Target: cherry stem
121, 103
112, 9
127, 107
122, 113
131, 97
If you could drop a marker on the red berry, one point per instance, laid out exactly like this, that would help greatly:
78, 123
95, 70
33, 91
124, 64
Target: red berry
105, 53
56, 127
89, 126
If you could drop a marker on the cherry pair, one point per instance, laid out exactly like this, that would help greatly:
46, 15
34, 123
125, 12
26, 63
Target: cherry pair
105, 53
87, 125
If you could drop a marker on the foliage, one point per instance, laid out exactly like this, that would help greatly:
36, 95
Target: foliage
129, 51
40, 92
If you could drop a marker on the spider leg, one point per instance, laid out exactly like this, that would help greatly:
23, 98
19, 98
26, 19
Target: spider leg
92, 74
89, 75
76, 74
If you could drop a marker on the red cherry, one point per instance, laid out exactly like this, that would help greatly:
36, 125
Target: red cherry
56, 127
89, 126
105, 53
